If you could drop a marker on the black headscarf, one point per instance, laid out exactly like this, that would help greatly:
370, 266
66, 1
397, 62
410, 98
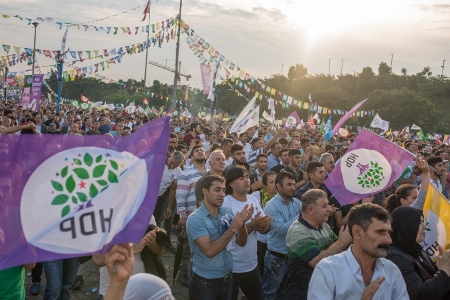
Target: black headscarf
405, 225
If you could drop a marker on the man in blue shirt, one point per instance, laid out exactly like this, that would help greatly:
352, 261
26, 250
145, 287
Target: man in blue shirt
212, 263
284, 209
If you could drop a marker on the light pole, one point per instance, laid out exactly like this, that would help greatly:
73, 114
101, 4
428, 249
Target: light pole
148, 46
342, 66
282, 65
329, 66
392, 58
174, 96
35, 24
443, 65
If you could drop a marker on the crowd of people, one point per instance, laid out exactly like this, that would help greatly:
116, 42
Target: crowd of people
253, 215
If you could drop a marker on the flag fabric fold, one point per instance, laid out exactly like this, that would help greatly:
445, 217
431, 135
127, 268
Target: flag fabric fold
369, 166
347, 115
292, 120
146, 10
72, 196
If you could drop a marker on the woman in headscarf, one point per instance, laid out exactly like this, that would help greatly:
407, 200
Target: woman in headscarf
424, 279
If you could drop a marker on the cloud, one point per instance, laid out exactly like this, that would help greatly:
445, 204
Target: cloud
275, 14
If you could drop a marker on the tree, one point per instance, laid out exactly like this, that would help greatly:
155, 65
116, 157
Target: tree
404, 71
297, 71
384, 69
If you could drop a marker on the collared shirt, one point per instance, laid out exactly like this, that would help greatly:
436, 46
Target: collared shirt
339, 277
308, 187
186, 201
169, 176
251, 160
247, 149
283, 215
272, 162
201, 223
437, 184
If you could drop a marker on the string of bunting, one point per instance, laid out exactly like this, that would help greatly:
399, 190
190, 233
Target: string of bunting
202, 49
168, 23
157, 39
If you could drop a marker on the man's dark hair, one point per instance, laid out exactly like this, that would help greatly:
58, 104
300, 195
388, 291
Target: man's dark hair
329, 148
312, 166
242, 134
227, 141
254, 141
362, 215
435, 160
293, 152
236, 147
310, 198
193, 126
283, 150
283, 141
208, 180
195, 147
304, 141
233, 174
211, 133
282, 175
173, 136
273, 145
261, 155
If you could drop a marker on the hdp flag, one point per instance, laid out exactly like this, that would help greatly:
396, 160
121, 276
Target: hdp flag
74, 196
436, 211
370, 165
292, 120
328, 129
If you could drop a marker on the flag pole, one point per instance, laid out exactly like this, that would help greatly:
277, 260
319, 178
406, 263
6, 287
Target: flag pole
174, 96
148, 43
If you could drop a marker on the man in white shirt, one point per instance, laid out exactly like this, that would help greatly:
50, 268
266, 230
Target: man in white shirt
439, 174
361, 272
243, 141
246, 274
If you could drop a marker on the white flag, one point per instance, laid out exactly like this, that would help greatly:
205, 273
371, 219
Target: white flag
271, 103
63, 41
252, 119
317, 118
377, 122
415, 127
247, 109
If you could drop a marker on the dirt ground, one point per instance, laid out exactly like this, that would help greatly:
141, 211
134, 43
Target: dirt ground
91, 281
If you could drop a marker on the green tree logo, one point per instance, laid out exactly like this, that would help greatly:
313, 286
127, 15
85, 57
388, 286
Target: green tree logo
370, 176
83, 180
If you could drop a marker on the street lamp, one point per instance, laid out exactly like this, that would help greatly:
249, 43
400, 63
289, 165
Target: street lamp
282, 65
35, 24
329, 66
392, 58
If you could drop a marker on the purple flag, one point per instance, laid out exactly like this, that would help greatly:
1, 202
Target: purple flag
206, 78
346, 116
71, 196
36, 88
292, 120
369, 166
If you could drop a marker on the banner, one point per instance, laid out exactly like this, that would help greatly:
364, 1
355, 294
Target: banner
247, 109
36, 88
347, 115
252, 119
80, 196
206, 78
436, 212
369, 166
292, 120
415, 127
377, 122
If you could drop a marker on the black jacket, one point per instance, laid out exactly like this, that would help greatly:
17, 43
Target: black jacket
423, 280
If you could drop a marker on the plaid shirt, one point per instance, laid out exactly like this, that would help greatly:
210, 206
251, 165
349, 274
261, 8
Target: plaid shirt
185, 195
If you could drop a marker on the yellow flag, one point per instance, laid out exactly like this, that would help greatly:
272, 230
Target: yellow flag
436, 211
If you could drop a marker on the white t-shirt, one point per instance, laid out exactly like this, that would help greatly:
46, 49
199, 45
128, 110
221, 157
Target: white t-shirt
138, 268
261, 237
169, 176
244, 258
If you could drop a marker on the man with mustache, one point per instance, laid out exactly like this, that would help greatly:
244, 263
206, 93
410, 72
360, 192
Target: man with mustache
439, 174
361, 272
309, 240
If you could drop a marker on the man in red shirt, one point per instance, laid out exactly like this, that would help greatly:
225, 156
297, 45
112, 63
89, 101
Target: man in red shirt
194, 134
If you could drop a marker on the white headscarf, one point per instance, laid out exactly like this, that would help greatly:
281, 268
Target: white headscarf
146, 286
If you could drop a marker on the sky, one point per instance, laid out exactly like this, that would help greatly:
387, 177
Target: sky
261, 36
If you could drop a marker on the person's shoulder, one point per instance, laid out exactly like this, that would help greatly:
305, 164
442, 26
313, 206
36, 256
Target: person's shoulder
333, 261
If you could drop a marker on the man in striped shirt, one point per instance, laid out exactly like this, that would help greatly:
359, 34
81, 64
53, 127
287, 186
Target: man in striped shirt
310, 239
258, 146
187, 203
